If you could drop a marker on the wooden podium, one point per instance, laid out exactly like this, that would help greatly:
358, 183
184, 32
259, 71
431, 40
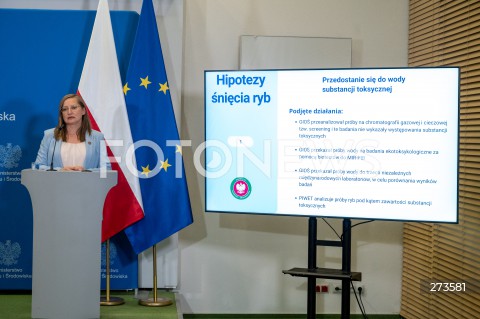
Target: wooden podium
67, 223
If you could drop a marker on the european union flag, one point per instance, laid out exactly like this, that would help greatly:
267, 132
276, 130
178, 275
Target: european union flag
158, 151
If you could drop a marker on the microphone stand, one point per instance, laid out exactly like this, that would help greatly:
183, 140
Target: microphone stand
51, 169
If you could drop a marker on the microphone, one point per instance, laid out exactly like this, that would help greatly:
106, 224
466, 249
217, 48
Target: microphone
53, 153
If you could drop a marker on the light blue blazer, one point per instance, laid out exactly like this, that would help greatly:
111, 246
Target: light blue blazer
95, 157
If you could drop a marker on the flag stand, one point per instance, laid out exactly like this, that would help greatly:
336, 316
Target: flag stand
155, 301
107, 300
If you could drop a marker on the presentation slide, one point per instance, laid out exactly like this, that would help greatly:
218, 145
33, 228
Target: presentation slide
376, 143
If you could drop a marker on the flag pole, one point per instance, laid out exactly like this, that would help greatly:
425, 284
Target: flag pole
107, 300
155, 301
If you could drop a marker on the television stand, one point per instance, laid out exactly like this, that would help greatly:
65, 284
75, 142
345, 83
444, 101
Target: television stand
313, 272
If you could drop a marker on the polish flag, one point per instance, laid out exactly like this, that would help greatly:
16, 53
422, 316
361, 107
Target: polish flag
101, 88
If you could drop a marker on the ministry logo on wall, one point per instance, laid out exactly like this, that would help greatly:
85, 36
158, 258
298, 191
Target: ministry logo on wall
240, 188
113, 253
9, 253
10, 155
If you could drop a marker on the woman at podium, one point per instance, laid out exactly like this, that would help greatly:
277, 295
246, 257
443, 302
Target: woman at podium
72, 145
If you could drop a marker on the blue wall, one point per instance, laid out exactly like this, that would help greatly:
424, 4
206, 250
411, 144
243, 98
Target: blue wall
41, 59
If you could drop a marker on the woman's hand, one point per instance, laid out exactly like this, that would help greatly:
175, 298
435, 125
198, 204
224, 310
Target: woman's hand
73, 168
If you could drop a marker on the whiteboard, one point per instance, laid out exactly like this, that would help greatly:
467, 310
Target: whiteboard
279, 52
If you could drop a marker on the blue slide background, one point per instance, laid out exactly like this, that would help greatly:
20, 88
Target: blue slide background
242, 119
41, 59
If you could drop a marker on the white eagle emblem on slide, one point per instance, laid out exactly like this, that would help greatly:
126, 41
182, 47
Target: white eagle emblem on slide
240, 187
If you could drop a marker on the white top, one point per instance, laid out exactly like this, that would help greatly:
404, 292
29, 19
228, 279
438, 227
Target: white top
73, 154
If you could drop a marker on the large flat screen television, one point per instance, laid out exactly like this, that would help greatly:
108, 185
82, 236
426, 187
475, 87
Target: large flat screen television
370, 143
